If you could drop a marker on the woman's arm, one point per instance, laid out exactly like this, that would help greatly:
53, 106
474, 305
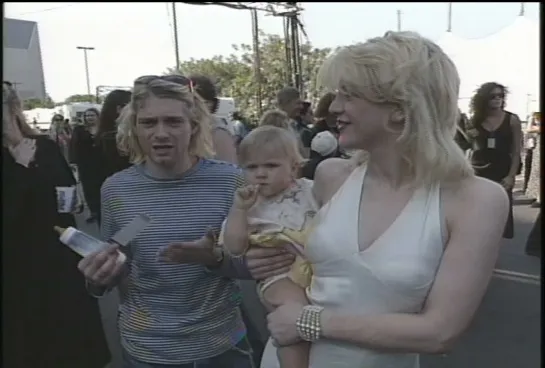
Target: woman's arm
463, 277
516, 145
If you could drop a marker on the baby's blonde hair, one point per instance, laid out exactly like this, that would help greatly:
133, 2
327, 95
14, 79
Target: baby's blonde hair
278, 140
413, 73
277, 118
200, 144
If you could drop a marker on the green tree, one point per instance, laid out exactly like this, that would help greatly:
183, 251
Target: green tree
80, 98
33, 103
235, 74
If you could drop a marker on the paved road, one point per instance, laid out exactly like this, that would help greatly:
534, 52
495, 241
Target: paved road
504, 334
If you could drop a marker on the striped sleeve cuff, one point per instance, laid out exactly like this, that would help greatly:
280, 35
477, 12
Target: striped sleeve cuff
232, 267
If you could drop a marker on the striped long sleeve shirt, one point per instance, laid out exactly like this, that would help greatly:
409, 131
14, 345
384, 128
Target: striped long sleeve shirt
174, 313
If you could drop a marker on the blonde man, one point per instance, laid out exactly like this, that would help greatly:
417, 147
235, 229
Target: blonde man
407, 238
180, 315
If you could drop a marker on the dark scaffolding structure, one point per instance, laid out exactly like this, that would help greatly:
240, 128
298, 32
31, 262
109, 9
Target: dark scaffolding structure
290, 13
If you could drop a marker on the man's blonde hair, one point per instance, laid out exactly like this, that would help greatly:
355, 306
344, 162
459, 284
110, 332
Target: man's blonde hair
277, 118
278, 140
413, 73
201, 121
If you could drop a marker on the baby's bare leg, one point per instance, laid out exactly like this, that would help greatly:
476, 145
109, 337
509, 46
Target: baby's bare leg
280, 292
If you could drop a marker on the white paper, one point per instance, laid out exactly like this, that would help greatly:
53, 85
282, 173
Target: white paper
67, 199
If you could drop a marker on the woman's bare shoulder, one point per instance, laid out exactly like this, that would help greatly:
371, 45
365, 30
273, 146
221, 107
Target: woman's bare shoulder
459, 201
330, 176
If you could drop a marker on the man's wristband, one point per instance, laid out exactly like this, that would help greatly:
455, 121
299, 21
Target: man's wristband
309, 324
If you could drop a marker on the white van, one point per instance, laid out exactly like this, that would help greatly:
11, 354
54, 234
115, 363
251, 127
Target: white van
226, 108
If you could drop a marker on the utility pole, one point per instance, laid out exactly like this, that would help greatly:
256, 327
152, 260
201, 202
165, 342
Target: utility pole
293, 29
257, 61
399, 20
521, 13
449, 21
175, 26
85, 49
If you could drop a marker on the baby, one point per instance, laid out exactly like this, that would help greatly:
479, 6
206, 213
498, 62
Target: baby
273, 210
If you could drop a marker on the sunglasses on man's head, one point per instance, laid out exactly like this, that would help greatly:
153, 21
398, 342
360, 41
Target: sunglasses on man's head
178, 79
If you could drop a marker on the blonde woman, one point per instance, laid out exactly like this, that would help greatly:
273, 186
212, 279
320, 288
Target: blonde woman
174, 314
44, 297
403, 232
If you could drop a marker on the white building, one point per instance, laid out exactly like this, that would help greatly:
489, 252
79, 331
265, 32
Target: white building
23, 58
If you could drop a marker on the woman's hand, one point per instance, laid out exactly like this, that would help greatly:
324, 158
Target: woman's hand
282, 324
263, 263
508, 182
23, 153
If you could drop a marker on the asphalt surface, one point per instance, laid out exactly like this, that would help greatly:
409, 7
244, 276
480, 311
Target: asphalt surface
506, 332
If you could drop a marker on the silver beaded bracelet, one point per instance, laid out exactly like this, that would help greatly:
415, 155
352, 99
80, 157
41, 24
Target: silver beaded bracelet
309, 325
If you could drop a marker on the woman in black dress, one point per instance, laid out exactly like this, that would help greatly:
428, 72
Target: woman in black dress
495, 136
84, 155
49, 319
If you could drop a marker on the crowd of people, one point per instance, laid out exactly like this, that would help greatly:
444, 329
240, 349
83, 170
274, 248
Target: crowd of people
361, 220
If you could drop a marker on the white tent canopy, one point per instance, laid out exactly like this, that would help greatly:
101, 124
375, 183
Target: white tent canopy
509, 57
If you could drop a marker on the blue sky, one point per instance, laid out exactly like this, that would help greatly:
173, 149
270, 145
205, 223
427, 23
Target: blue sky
133, 39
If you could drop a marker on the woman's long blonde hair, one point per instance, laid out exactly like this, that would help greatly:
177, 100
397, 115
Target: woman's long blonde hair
413, 73
200, 144
12, 103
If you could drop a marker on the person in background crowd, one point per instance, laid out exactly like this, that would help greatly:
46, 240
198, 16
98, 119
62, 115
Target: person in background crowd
109, 159
535, 129
534, 246
163, 321
241, 127
61, 132
325, 121
84, 154
532, 128
495, 137
460, 136
288, 99
405, 227
280, 119
277, 118
48, 319
307, 118
324, 145
222, 131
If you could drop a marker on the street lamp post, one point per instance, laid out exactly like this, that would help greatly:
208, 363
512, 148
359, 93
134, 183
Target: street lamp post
85, 49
